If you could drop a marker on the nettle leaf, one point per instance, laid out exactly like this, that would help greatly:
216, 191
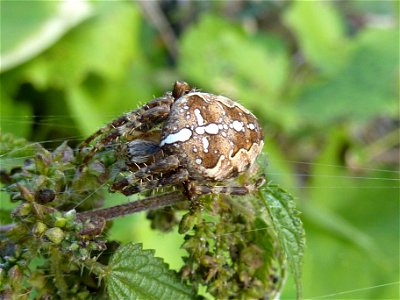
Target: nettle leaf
288, 227
14, 113
135, 273
273, 256
14, 150
364, 89
322, 37
44, 23
233, 57
244, 67
89, 49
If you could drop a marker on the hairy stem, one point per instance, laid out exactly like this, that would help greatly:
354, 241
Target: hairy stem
132, 207
56, 269
7, 227
156, 16
94, 266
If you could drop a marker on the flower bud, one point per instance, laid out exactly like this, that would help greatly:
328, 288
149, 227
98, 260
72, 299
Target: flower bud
45, 195
22, 210
56, 235
187, 223
39, 229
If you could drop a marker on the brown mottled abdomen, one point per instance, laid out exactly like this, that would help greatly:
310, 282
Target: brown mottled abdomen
216, 137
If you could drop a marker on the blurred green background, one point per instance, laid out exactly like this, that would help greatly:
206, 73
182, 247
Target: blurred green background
323, 78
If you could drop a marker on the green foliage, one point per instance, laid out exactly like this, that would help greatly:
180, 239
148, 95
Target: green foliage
43, 24
322, 37
350, 225
134, 273
33, 20
260, 73
74, 57
233, 249
75, 64
45, 246
322, 77
14, 113
226, 250
287, 224
373, 57
12, 147
265, 64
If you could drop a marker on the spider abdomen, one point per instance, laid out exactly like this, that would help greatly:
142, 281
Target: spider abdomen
214, 137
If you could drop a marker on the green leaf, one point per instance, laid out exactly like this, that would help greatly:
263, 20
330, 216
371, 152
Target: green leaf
273, 256
378, 8
364, 89
95, 47
79, 65
251, 69
85, 112
30, 27
355, 247
320, 33
288, 227
135, 273
335, 225
15, 117
97, 101
15, 150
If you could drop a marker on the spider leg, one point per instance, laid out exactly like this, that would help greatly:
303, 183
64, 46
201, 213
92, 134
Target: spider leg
163, 165
196, 190
169, 163
153, 116
114, 124
130, 185
130, 117
140, 151
137, 120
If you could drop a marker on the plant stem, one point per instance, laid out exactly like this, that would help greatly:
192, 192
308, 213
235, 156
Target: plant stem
132, 207
157, 17
7, 227
94, 266
57, 271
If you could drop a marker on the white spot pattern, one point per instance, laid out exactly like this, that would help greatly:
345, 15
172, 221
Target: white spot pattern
205, 144
200, 130
238, 126
210, 129
181, 136
199, 117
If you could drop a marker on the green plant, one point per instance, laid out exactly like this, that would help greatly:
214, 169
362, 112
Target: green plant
322, 77
56, 243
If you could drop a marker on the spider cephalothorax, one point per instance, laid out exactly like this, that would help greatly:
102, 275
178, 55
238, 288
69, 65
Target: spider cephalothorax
189, 138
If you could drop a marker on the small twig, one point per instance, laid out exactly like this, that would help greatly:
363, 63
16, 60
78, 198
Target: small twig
152, 202
7, 227
132, 207
157, 17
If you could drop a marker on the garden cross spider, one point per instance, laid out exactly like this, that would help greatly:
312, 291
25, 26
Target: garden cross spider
185, 138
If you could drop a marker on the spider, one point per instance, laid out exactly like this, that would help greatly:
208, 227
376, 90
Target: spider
185, 138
